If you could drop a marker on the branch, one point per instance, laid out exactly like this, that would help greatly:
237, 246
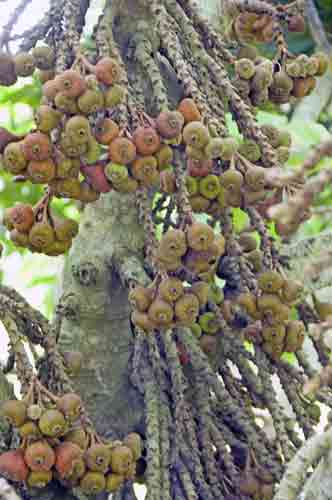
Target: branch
33, 325
13, 19
294, 478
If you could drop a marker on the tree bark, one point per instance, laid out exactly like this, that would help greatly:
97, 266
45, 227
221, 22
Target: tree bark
97, 311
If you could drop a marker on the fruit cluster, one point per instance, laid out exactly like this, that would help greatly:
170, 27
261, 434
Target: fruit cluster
220, 172
55, 444
39, 229
24, 64
271, 308
258, 80
196, 248
249, 26
167, 304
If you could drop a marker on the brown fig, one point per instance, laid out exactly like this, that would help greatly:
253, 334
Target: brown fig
67, 454
106, 130
41, 172
200, 236
108, 71
187, 309
37, 146
122, 151
169, 124
71, 83
161, 313
189, 110
146, 140
21, 217
13, 466
140, 298
39, 456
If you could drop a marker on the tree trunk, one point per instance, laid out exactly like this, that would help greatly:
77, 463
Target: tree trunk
98, 312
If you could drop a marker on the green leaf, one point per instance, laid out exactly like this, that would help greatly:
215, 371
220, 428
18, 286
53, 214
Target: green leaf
289, 357
240, 219
42, 280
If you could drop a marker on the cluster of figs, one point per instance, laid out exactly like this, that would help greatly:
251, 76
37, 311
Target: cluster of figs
168, 302
57, 443
288, 77
270, 308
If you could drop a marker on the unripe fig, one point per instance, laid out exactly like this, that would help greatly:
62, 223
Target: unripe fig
161, 313
200, 236
121, 459
78, 130
73, 361
195, 134
91, 101
93, 483
52, 423
65, 104
15, 411
87, 193
245, 68
19, 239
47, 118
70, 405
14, 158
41, 235
114, 482
114, 96
65, 229
44, 57
98, 457
24, 64
39, 479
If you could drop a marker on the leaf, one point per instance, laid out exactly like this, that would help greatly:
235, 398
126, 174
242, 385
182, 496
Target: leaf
42, 280
240, 219
289, 357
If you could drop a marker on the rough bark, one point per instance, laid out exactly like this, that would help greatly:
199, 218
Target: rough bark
97, 311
